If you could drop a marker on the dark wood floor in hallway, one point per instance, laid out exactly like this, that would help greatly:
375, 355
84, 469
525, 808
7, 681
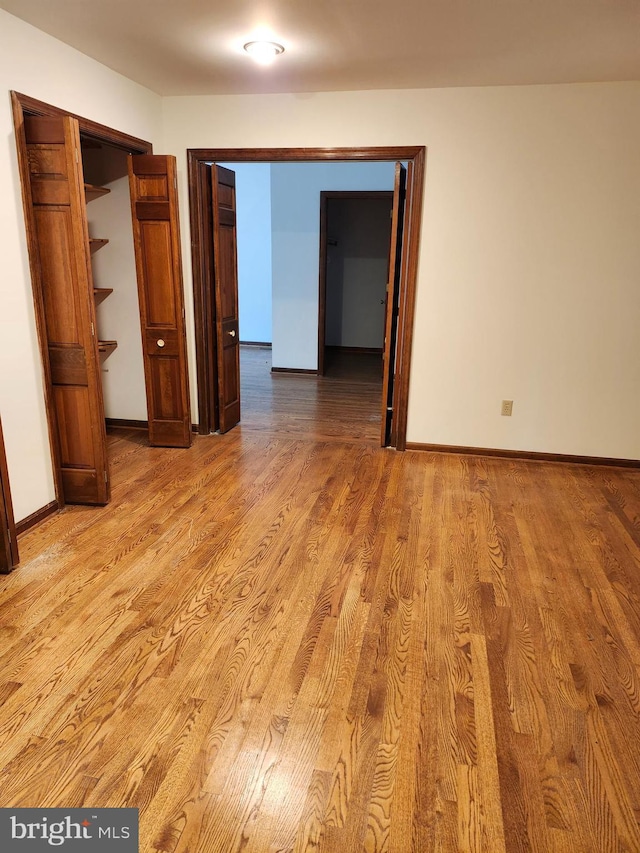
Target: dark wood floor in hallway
344, 403
289, 639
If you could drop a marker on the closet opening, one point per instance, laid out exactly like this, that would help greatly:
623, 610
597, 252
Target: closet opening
101, 218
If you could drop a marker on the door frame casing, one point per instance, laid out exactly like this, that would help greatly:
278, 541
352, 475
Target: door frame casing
25, 105
22, 106
393, 302
9, 557
325, 197
415, 154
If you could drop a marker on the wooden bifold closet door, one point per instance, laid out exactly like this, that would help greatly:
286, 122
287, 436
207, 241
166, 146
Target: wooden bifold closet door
55, 202
64, 294
156, 237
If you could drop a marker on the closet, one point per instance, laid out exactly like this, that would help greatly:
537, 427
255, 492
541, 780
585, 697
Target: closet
63, 164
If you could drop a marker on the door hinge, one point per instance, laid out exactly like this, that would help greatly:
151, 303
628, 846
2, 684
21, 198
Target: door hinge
105, 477
77, 156
93, 332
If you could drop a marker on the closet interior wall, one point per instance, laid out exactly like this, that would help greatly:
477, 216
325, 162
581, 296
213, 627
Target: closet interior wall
113, 268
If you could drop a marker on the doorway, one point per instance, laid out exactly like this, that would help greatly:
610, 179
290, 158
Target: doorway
200, 219
355, 231
56, 163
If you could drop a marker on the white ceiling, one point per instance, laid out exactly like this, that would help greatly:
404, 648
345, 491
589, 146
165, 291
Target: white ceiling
180, 47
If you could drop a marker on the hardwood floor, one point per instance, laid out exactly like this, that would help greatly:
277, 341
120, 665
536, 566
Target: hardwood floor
345, 403
289, 639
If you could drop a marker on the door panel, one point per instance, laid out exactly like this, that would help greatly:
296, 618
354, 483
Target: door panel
231, 374
156, 232
73, 415
223, 185
68, 365
161, 302
166, 383
388, 428
63, 288
54, 233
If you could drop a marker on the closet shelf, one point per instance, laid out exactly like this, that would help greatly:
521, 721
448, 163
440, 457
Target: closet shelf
105, 348
101, 293
91, 192
96, 243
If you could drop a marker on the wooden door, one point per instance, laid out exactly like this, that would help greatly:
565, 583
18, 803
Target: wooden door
388, 428
223, 184
9, 541
156, 233
204, 307
63, 288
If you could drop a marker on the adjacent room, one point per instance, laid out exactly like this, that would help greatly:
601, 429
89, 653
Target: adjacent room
324, 229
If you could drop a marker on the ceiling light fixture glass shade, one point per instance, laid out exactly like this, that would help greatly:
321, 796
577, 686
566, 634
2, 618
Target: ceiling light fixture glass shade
263, 52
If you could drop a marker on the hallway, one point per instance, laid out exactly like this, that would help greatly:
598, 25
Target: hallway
344, 404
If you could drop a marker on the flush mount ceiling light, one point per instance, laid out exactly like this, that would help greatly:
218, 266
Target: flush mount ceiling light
263, 52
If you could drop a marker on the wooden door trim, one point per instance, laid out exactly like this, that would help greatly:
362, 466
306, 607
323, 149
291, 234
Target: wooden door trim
325, 195
407, 296
411, 153
25, 105
8, 532
22, 106
395, 283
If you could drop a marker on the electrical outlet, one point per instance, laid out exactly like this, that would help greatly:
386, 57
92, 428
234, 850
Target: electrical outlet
507, 408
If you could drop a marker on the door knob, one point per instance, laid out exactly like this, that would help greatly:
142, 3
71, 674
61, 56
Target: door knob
232, 333
160, 342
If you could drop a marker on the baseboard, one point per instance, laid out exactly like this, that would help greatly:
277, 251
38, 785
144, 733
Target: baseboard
126, 423
37, 517
294, 370
530, 455
369, 350
263, 344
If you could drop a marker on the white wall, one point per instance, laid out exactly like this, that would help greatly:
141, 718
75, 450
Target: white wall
295, 220
38, 65
114, 266
253, 221
357, 271
529, 261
